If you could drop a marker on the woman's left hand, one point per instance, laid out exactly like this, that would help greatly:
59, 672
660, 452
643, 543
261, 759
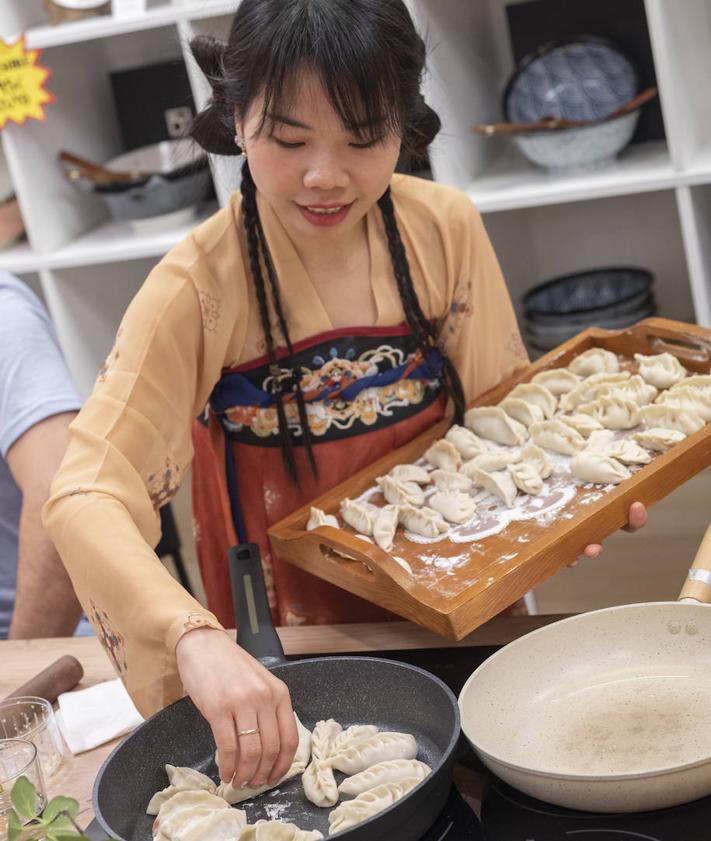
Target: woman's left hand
637, 519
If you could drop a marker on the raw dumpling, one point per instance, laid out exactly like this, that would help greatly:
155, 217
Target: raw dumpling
600, 440
410, 473
661, 369
185, 804
298, 765
555, 435
455, 507
445, 455
500, 484
180, 779
445, 480
357, 757
659, 439
613, 412
690, 399
397, 492
669, 417
217, 825
423, 521
465, 441
276, 831
351, 735
319, 518
628, 452
635, 389
592, 466
493, 423
526, 478
536, 457
558, 381
364, 806
385, 526
391, 771
359, 515
699, 382
318, 781
538, 395
589, 389
584, 424
597, 360
490, 462
522, 410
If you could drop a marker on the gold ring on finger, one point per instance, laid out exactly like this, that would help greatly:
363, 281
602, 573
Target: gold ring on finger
251, 732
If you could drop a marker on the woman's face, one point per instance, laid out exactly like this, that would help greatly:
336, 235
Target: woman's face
319, 177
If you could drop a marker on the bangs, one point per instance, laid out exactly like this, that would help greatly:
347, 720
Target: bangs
346, 53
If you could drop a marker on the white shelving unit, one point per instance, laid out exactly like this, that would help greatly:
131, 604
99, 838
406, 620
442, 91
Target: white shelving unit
651, 208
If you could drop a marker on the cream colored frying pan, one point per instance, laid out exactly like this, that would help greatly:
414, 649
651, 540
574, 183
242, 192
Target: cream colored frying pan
606, 711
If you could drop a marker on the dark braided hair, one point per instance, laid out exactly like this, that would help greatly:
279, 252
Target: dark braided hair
370, 61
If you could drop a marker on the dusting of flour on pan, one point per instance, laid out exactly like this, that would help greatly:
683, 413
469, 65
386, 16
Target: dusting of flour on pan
276, 811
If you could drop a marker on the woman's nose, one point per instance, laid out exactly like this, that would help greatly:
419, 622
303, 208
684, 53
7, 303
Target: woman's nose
326, 174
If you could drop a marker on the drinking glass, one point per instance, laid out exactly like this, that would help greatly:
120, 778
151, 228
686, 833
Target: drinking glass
18, 758
33, 719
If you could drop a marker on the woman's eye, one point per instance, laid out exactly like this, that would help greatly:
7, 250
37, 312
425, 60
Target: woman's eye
368, 144
285, 145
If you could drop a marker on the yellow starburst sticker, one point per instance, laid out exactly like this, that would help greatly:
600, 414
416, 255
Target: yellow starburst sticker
22, 79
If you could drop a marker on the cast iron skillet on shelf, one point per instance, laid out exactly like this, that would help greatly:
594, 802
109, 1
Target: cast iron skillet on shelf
352, 690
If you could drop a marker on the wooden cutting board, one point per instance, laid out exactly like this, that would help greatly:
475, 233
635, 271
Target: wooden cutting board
456, 583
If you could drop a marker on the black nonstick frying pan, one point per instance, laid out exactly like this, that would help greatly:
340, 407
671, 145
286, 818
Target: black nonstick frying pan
352, 690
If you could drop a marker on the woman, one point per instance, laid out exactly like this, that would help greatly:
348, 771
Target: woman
325, 315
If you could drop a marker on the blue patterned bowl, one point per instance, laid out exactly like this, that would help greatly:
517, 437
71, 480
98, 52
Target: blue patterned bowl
585, 78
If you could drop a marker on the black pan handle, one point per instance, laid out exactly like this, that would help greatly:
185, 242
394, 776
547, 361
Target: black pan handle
253, 619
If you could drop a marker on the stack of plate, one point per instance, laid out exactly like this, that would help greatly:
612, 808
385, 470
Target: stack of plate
612, 298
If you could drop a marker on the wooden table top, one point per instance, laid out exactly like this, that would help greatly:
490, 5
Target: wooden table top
22, 659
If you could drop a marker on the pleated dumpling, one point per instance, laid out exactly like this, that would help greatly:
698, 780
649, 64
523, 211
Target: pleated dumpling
499, 484
493, 423
410, 473
597, 360
318, 781
444, 454
351, 735
276, 831
658, 439
628, 452
455, 507
535, 456
584, 424
613, 412
465, 441
669, 417
445, 480
423, 521
526, 478
359, 515
357, 757
601, 469
555, 435
320, 518
634, 388
558, 380
385, 526
522, 411
180, 779
660, 369
390, 771
690, 399
490, 462
589, 389
699, 382
183, 807
369, 803
536, 394
397, 492
220, 825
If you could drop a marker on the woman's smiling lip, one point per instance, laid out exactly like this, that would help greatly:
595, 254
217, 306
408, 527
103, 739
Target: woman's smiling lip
325, 215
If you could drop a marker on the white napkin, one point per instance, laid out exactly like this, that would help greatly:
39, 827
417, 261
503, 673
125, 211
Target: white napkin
90, 717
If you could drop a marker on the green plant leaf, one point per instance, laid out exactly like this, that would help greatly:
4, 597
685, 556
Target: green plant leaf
65, 835
14, 826
60, 804
24, 797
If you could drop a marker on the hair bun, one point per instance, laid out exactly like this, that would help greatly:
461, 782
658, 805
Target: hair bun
423, 126
209, 53
213, 128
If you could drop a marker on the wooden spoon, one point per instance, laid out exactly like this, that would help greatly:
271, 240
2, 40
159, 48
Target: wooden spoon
99, 174
557, 123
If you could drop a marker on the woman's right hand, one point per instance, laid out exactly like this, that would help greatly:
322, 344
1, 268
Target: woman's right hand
234, 692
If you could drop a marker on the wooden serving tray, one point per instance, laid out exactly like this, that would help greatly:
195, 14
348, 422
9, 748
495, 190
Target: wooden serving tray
454, 588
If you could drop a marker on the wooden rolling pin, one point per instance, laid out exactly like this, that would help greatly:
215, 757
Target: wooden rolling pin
60, 676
